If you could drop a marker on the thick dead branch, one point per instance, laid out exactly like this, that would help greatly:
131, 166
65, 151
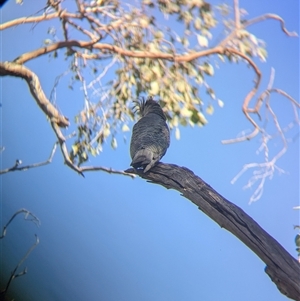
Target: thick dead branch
17, 70
282, 268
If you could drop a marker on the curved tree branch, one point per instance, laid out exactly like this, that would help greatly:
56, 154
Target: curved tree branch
282, 268
17, 70
268, 17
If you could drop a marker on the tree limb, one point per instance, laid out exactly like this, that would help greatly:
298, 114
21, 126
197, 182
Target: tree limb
282, 268
17, 70
37, 19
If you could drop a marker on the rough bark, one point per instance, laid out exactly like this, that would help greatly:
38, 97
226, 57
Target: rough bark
281, 267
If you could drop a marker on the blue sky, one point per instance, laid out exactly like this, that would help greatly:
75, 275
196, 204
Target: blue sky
109, 237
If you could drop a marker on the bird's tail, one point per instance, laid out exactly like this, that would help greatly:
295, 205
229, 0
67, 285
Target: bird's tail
143, 159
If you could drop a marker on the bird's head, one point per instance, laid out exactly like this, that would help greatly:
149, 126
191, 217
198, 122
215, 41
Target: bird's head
147, 106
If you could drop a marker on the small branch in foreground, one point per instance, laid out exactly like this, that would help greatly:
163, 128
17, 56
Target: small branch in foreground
17, 166
108, 170
27, 213
14, 272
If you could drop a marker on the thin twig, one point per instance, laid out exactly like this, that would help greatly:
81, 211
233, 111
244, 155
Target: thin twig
27, 213
17, 166
13, 273
108, 170
237, 15
274, 17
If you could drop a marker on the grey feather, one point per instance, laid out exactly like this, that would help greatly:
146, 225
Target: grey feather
150, 135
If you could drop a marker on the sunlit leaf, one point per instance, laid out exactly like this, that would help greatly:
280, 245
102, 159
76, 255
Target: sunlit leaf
75, 149
154, 88
210, 110
106, 132
262, 54
177, 133
125, 128
202, 118
197, 23
202, 41
186, 113
220, 103
180, 85
114, 143
208, 69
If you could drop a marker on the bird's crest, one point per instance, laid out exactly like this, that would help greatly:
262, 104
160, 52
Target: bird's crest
145, 106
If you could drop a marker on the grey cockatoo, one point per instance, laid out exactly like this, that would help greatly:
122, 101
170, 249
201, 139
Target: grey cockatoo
150, 135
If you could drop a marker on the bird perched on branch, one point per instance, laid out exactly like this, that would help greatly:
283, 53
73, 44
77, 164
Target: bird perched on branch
150, 136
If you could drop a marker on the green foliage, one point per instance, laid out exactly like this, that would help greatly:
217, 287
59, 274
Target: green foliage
179, 85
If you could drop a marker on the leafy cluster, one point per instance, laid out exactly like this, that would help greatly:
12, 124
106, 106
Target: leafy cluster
158, 48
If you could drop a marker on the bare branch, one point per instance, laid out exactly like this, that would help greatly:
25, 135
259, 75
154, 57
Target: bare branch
237, 15
245, 108
13, 69
47, 49
17, 166
84, 31
63, 147
265, 170
274, 17
108, 170
27, 214
37, 19
13, 273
